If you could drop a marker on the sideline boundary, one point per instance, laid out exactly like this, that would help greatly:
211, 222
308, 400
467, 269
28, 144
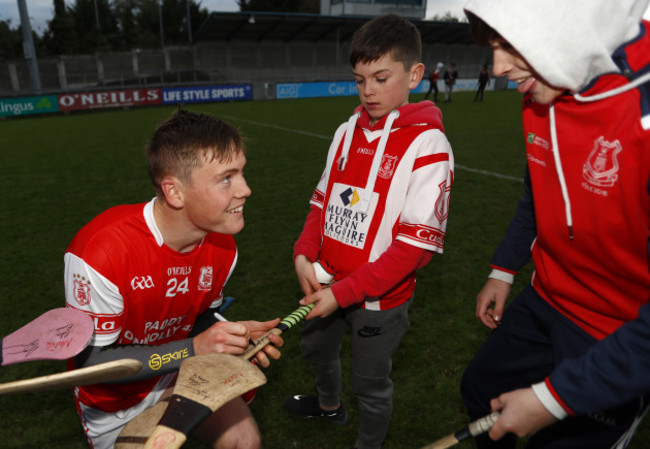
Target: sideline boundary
320, 136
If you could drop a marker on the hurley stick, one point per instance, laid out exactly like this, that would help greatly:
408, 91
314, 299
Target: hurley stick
102, 372
474, 429
287, 323
57, 334
137, 432
204, 383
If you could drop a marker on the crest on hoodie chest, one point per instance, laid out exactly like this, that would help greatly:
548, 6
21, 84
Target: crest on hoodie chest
387, 166
601, 167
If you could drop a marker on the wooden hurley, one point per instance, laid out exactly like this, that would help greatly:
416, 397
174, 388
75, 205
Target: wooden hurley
58, 334
474, 429
205, 383
165, 425
102, 372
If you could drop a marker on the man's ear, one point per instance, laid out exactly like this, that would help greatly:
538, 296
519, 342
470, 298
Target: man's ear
172, 190
417, 72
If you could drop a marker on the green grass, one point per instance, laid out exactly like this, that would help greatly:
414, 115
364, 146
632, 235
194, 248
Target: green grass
61, 171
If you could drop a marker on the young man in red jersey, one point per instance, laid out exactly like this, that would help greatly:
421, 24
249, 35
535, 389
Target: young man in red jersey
151, 275
378, 214
569, 358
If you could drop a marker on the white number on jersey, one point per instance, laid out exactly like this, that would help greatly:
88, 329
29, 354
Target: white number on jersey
174, 287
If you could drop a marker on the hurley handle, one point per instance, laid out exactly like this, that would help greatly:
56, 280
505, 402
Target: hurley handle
474, 429
287, 323
164, 437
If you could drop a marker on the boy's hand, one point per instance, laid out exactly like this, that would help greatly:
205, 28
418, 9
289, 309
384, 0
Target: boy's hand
490, 302
521, 413
306, 275
232, 337
325, 303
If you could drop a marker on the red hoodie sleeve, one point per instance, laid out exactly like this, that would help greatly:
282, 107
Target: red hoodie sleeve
373, 279
308, 243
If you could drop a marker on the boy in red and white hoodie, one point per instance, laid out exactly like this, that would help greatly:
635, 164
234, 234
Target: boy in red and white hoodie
572, 351
378, 214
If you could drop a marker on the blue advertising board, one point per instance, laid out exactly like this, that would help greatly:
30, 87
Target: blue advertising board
203, 94
324, 89
312, 90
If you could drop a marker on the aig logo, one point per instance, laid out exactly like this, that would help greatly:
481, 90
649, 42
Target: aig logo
141, 282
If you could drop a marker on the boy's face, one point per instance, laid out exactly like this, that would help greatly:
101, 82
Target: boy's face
214, 199
384, 85
507, 62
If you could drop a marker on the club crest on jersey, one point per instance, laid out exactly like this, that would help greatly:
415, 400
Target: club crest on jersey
387, 166
601, 167
81, 290
442, 203
205, 278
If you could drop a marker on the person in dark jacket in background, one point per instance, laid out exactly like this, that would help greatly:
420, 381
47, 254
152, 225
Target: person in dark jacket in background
483, 82
450, 77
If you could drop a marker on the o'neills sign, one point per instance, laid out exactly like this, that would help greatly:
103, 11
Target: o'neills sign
109, 99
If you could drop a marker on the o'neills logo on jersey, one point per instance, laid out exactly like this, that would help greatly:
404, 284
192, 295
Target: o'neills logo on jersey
81, 289
343, 222
205, 278
387, 166
601, 168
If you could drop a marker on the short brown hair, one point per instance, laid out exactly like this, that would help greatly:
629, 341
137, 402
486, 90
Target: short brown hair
386, 34
482, 33
184, 141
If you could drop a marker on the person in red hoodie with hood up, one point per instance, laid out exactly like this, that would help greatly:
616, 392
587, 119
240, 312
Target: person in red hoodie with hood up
568, 361
379, 212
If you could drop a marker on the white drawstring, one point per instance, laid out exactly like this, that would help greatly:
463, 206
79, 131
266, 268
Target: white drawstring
645, 120
349, 131
376, 161
560, 173
610, 93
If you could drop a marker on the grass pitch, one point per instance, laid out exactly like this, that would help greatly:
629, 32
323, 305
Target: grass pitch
61, 171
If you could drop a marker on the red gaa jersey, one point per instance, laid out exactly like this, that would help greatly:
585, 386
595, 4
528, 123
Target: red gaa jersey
138, 290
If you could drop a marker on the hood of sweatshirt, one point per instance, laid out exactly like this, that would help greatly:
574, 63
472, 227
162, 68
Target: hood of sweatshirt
415, 114
422, 113
569, 43
540, 31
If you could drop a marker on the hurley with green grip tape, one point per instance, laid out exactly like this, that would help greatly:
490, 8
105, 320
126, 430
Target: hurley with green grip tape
287, 323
